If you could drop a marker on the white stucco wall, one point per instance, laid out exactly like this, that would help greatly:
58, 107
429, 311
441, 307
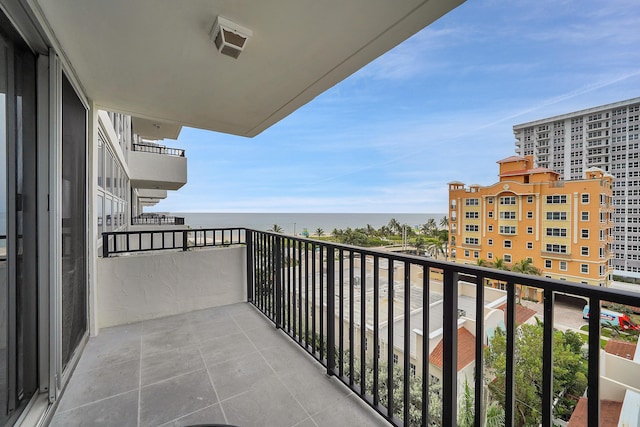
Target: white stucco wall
151, 285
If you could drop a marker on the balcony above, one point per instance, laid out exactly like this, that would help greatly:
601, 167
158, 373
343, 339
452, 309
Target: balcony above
157, 168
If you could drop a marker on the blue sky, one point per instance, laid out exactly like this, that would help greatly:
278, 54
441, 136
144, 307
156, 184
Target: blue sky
439, 107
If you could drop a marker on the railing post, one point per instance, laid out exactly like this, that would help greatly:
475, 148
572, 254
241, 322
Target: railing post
277, 254
331, 311
593, 376
248, 237
105, 245
185, 241
547, 360
450, 347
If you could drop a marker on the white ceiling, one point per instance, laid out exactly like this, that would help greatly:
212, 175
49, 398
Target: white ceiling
153, 58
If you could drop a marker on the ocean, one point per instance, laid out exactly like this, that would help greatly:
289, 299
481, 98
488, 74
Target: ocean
295, 223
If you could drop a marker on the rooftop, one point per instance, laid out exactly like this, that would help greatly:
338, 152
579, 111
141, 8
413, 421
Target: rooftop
222, 365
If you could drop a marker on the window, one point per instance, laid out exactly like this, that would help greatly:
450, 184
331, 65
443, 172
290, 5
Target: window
466, 253
507, 258
508, 215
557, 216
490, 228
563, 265
490, 200
490, 255
490, 214
395, 359
507, 229
557, 199
471, 202
547, 263
585, 198
584, 216
559, 249
508, 200
557, 232
507, 244
529, 230
530, 215
529, 245
476, 254
471, 240
412, 369
584, 268
529, 199
471, 215
471, 227
584, 233
584, 250
490, 242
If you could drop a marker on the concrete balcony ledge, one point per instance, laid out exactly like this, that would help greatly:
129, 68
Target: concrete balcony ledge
225, 365
152, 171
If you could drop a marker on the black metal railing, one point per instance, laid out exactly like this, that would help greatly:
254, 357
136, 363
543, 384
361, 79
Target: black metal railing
123, 242
334, 301
156, 219
158, 149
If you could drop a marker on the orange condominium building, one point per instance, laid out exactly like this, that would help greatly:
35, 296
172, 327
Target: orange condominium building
562, 227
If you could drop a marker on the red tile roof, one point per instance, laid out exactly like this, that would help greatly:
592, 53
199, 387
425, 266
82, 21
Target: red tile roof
609, 413
466, 350
621, 348
522, 313
529, 172
512, 159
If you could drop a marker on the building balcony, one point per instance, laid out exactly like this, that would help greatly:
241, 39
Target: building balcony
242, 327
157, 219
157, 167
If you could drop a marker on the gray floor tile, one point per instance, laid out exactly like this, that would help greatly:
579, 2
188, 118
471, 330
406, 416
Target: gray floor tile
349, 411
111, 346
210, 415
161, 366
239, 375
307, 422
211, 329
251, 320
117, 411
159, 342
168, 400
226, 348
314, 389
266, 337
166, 324
268, 404
89, 386
287, 356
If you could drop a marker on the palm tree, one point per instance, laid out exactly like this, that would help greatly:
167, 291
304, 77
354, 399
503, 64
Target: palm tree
276, 229
482, 263
319, 232
500, 264
420, 244
430, 228
435, 246
444, 222
526, 266
394, 226
370, 231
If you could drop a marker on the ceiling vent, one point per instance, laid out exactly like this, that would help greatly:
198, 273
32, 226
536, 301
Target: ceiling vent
229, 38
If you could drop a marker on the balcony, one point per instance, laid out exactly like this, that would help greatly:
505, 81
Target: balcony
157, 219
253, 328
157, 167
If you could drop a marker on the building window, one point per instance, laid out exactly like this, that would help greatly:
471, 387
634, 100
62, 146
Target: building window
471, 227
507, 244
490, 242
585, 198
507, 229
584, 268
529, 230
490, 200
584, 233
529, 199
563, 265
530, 215
584, 216
559, 249
395, 359
412, 369
556, 216
490, 214
547, 263
529, 245
557, 232
476, 254
490, 228
507, 258
471, 202
584, 250
471, 241
466, 253
557, 199
508, 215
508, 200
471, 215
490, 255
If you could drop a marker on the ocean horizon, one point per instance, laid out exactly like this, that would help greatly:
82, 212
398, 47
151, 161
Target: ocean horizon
295, 223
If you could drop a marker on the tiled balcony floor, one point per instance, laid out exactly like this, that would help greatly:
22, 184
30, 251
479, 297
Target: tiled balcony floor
225, 365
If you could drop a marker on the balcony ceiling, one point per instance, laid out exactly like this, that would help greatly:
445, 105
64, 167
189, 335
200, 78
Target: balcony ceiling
153, 59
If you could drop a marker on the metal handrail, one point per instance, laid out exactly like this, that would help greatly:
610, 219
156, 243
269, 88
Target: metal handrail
158, 149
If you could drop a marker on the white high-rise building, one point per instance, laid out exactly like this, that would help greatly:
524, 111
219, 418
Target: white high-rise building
606, 137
